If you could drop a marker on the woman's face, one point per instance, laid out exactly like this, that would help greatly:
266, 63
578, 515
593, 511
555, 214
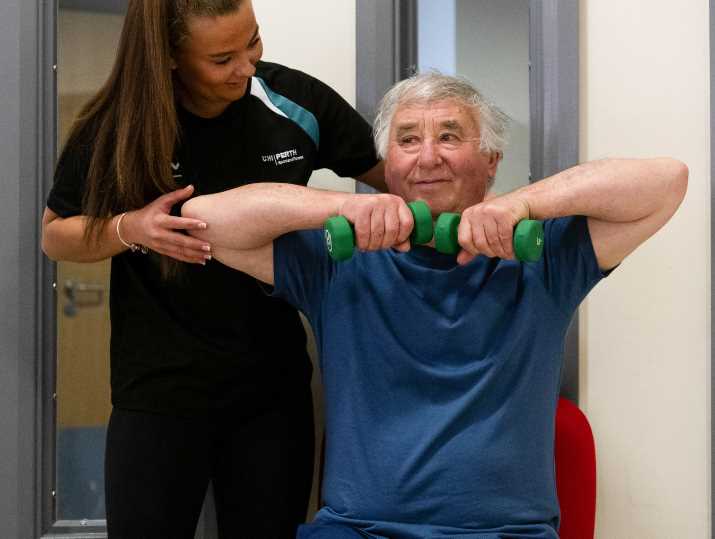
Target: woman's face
213, 64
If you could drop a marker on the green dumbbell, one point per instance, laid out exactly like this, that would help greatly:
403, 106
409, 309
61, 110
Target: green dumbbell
528, 237
340, 236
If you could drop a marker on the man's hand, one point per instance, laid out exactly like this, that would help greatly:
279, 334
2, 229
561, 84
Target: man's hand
487, 228
381, 221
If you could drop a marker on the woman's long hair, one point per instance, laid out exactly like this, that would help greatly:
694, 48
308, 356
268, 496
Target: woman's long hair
131, 122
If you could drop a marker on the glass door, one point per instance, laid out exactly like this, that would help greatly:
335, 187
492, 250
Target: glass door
87, 36
486, 41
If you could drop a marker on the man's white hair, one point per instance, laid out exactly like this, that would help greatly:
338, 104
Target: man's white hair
434, 86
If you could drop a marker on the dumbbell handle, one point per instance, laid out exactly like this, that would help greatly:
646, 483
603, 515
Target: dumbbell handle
528, 238
340, 235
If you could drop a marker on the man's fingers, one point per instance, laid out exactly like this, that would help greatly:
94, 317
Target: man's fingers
491, 234
505, 238
377, 229
465, 257
407, 224
403, 246
362, 226
392, 228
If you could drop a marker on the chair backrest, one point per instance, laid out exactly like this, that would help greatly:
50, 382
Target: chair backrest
575, 457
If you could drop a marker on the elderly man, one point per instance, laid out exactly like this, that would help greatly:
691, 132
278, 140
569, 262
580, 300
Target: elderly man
441, 373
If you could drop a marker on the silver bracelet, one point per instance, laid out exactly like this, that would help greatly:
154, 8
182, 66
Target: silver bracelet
133, 247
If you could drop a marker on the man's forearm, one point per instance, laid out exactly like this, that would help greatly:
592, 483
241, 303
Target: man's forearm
618, 190
253, 215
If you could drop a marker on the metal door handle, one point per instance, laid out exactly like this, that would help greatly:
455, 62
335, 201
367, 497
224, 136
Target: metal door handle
82, 295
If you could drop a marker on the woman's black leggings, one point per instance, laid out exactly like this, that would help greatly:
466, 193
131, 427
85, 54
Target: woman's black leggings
157, 469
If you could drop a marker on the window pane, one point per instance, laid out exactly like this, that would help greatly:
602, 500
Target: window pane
486, 41
86, 43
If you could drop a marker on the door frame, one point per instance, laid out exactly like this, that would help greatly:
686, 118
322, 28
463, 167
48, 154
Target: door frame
27, 128
387, 53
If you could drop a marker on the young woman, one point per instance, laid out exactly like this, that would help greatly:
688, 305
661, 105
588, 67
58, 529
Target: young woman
209, 375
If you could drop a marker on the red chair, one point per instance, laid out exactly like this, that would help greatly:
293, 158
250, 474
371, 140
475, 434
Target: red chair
575, 456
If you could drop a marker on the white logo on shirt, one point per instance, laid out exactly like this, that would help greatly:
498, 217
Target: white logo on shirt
282, 158
175, 167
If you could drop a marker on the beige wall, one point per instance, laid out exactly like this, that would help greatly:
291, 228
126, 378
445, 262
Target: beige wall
645, 331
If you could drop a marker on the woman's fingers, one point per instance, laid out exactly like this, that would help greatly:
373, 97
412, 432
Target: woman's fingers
169, 199
183, 223
182, 254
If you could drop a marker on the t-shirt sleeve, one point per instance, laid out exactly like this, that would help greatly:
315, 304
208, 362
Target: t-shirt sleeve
569, 261
302, 270
65, 198
346, 143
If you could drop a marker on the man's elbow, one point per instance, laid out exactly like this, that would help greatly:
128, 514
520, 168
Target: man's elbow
47, 248
678, 184
195, 208
50, 242
198, 208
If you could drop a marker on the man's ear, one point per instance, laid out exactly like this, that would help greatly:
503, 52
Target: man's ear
494, 159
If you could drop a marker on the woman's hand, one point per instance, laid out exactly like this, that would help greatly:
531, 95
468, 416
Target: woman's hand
154, 227
381, 221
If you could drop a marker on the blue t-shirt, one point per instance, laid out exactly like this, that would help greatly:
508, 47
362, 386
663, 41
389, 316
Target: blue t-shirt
441, 382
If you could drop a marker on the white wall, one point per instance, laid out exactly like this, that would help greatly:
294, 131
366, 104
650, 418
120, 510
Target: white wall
317, 37
645, 330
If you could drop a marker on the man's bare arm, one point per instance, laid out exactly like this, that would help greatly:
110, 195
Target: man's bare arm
243, 222
626, 201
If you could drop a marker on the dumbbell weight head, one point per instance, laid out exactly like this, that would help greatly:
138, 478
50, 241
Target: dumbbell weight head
445, 233
339, 238
528, 240
423, 231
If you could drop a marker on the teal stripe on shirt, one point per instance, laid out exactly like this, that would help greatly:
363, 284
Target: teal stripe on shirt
303, 117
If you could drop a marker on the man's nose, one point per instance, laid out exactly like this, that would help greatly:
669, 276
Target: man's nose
429, 154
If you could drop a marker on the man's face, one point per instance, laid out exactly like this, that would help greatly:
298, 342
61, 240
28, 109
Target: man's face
433, 155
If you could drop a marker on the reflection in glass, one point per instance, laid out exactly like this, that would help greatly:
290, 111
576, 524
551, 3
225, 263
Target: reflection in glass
86, 43
486, 41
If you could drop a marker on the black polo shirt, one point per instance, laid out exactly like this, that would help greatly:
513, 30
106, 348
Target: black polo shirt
212, 337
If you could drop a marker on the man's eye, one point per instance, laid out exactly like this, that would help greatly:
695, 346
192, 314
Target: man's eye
448, 137
408, 140
254, 43
222, 61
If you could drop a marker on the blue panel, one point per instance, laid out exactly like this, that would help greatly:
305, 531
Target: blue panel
80, 473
